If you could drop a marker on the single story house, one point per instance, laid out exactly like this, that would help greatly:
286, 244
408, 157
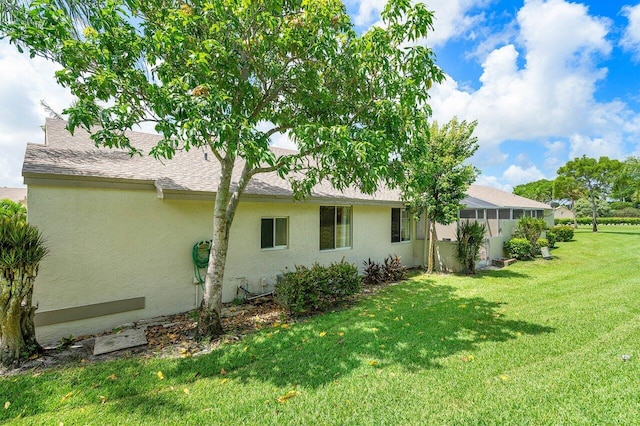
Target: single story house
121, 230
562, 212
18, 195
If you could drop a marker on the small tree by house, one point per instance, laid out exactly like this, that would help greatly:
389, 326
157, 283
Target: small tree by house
530, 228
470, 237
437, 177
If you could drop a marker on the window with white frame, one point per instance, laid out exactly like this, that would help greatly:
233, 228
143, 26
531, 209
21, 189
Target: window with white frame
335, 227
274, 233
400, 225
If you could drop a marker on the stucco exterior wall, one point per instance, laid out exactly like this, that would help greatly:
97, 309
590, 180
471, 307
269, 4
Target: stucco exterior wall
114, 244
108, 245
258, 268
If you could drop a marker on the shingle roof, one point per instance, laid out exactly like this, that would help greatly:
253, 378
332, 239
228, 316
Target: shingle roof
66, 155
75, 156
503, 199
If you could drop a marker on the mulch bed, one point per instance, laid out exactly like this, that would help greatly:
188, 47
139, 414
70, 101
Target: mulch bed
170, 336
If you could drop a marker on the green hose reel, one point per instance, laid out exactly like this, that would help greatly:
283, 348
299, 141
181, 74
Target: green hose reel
200, 256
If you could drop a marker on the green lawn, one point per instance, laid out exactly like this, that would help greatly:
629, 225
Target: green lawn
535, 343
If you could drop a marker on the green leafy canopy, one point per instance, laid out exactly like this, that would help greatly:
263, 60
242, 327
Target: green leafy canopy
227, 75
437, 175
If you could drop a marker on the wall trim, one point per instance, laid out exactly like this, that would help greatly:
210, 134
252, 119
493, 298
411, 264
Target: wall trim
88, 311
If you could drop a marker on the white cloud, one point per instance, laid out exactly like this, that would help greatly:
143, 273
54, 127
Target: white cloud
515, 175
610, 146
453, 18
493, 182
555, 156
631, 39
368, 12
543, 87
24, 83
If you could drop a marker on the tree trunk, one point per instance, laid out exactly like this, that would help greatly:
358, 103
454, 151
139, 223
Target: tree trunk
573, 210
209, 319
432, 235
594, 207
17, 331
11, 343
425, 248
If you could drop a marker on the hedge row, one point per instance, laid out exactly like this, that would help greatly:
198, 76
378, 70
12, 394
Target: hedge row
601, 221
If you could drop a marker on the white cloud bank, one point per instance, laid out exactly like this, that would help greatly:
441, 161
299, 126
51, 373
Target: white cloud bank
541, 87
631, 38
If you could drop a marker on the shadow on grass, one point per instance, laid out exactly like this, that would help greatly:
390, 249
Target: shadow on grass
411, 326
601, 231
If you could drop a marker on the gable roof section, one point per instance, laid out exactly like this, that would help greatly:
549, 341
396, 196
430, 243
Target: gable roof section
66, 157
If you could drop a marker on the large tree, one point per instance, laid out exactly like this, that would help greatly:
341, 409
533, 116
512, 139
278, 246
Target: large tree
626, 185
539, 190
594, 177
225, 76
437, 177
566, 188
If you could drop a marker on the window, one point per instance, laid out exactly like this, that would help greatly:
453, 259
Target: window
335, 227
400, 225
504, 214
274, 232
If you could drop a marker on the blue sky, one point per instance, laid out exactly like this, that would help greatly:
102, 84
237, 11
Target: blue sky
546, 80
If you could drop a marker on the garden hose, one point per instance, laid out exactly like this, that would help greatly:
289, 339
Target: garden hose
200, 256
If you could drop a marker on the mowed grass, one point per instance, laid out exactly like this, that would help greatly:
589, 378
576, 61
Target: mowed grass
535, 343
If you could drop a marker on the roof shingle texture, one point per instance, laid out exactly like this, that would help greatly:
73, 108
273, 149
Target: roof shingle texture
76, 156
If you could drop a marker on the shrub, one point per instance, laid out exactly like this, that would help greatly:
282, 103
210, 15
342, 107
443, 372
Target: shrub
342, 281
519, 248
584, 208
542, 242
373, 272
619, 205
551, 238
317, 287
627, 212
602, 221
394, 270
10, 208
563, 232
530, 228
470, 236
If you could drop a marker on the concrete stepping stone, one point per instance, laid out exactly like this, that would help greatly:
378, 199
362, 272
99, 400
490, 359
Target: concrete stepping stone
123, 340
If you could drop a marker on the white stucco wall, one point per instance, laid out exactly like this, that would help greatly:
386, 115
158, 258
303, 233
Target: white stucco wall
113, 244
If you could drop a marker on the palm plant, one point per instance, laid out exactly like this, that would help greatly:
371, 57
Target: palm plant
10, 208
470, 236
21, 250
